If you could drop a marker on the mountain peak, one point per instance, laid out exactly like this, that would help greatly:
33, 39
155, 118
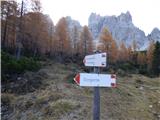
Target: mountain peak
155, 30
126, 17
121, 27
155, 34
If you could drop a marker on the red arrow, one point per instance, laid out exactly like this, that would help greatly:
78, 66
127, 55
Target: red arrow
77, 78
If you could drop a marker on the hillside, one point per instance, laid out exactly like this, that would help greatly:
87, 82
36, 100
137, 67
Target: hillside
59, 98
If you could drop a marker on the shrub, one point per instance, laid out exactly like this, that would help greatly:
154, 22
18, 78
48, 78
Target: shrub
10, 65
126, 66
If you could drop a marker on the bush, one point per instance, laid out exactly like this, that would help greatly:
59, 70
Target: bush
10, 65
126, 66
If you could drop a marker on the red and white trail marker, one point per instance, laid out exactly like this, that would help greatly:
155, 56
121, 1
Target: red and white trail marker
95, 80
95, 60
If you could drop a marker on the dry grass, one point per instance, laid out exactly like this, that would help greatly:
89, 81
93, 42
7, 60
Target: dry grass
135, 98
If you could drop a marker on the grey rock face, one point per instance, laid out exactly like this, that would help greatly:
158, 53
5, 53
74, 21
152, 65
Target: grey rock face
71, 29
71, 23
121, 28
155, 35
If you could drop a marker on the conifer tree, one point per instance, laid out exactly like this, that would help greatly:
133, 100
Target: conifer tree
156, 59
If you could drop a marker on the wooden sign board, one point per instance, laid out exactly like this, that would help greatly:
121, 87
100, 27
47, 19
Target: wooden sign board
95, 60
95, 80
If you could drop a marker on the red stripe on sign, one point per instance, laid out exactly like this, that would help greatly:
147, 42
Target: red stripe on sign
113, 76
114, 85
77, 78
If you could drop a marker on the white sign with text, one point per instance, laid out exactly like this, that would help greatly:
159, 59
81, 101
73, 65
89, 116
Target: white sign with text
95, 60
95, 80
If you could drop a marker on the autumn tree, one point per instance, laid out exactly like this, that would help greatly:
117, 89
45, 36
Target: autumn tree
8, 24
75, 40
113, 52
123, 53
86, 42
37, 38
134, 48
130, 53
51, 38
150, 55
141, 58
108, 45
63, 46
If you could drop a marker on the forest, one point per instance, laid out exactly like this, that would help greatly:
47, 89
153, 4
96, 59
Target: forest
28, 35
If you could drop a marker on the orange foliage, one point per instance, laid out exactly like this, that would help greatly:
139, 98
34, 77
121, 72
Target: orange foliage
123, 53
86, 42
108, 44
63, 42
141, 59
150, 54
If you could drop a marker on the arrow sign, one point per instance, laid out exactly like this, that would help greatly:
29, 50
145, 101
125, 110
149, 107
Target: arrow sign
96, 80
96, 60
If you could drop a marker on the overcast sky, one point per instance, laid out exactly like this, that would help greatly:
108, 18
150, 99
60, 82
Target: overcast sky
145, 13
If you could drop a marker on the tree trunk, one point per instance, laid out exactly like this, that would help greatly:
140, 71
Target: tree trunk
19, 41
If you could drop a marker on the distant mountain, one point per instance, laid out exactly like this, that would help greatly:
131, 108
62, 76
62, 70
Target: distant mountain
155, 35
121, 28
71, 23
71, 27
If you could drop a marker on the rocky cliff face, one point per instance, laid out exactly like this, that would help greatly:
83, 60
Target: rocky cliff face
121, 28
72, 23
71, 28
155, 35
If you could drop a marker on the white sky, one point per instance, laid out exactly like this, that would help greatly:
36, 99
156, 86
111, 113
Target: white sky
145, 13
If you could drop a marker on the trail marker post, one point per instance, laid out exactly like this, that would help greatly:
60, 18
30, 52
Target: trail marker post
96, 102
95, 79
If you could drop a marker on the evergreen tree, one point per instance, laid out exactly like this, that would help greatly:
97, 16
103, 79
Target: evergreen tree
156, 59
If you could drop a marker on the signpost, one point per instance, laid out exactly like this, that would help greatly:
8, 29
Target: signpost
96, 60
96, 102
96, 79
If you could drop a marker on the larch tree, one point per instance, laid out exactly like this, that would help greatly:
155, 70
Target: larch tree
130, 53
86, 42
75, 40
8, 24
150, 55
107, 44
51, 38
141, 58
114, 51
123, 53
62, 37
134, 48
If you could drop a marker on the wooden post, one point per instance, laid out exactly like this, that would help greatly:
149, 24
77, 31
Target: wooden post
96, 102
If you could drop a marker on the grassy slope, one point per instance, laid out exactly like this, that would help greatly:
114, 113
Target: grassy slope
135, 98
